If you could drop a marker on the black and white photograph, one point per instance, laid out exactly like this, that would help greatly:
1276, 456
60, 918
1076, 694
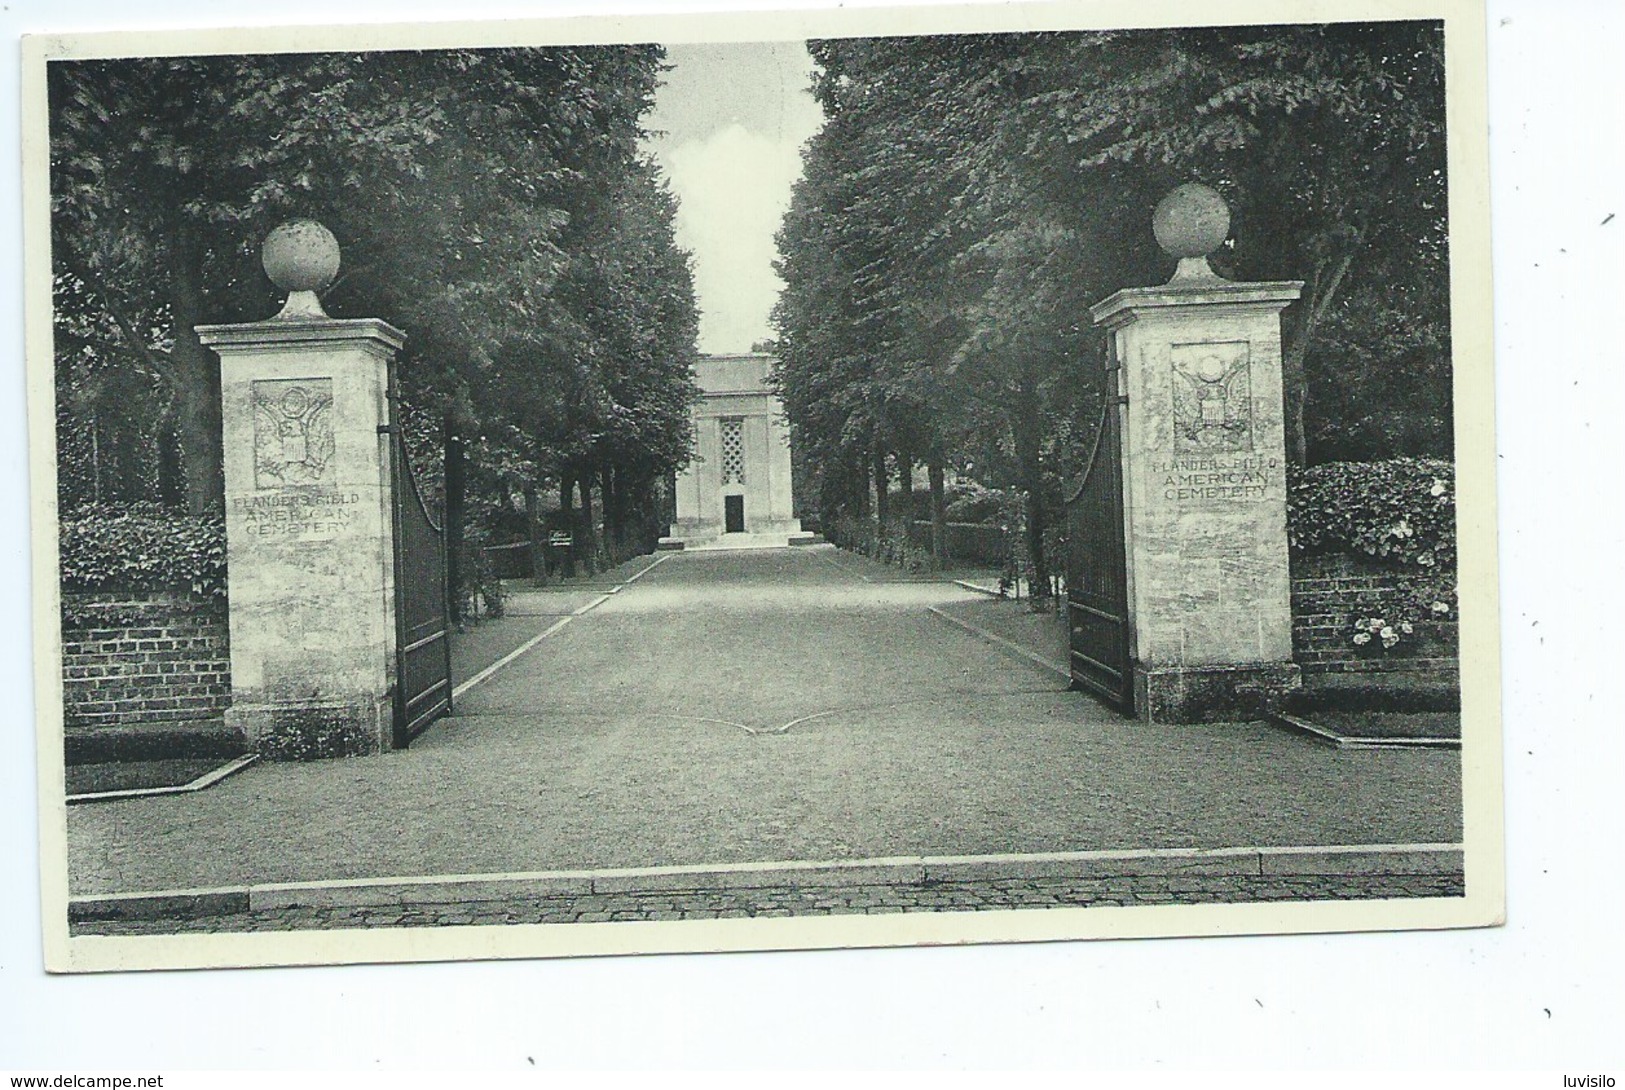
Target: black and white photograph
765, 481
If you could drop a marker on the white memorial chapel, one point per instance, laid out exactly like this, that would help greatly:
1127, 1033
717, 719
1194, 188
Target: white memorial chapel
736, 491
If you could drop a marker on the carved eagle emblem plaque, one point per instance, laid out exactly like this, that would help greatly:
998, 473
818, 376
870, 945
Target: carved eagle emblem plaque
293, 431
1212, 395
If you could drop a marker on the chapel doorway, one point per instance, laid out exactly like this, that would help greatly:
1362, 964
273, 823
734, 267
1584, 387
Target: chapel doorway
733, 514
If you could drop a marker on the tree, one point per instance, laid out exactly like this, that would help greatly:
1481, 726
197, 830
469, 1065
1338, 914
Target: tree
960, 276
489, 202
1327, 140
971, 195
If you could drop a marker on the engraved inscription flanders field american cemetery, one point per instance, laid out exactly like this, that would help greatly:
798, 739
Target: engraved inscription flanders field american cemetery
796, 480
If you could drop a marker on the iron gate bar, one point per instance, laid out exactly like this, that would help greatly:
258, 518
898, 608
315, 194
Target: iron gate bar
426, 640
1097, 563
1100, 612
422, 691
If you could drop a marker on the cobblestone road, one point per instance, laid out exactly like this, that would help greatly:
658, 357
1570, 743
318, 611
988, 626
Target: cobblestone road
1030, 893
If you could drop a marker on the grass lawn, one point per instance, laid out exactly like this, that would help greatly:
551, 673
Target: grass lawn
137, 775
1044, 634
1389, 725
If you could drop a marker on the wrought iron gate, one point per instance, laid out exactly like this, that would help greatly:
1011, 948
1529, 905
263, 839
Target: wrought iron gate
1096, 561
422, 599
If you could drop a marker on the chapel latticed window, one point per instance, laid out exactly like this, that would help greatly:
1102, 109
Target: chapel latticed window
733, 450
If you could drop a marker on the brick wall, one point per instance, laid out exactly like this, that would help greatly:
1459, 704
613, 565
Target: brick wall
132, 660
1331, 591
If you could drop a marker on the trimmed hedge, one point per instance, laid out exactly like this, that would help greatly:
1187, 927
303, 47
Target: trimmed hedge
978, 542
1376, 692
969, 502
142, 547
216, 743
1402, 511
889, 545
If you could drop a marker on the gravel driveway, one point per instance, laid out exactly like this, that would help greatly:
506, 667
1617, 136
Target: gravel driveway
758, 706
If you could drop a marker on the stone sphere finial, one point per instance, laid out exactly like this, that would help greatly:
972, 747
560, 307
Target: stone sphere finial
301, 257
1190, 223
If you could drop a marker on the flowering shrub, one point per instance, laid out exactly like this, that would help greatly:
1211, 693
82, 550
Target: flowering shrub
141, 547
1402, 511
1376, 633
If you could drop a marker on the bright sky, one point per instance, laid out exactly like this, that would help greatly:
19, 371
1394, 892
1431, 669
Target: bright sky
732, 119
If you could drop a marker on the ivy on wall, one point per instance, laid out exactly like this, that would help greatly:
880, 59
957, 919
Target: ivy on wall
142, 547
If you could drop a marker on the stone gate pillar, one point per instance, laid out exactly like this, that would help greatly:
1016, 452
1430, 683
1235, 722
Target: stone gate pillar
310, 562
1204, 477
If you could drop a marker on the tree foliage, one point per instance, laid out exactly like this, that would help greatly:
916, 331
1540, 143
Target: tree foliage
492, 203
971, 195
